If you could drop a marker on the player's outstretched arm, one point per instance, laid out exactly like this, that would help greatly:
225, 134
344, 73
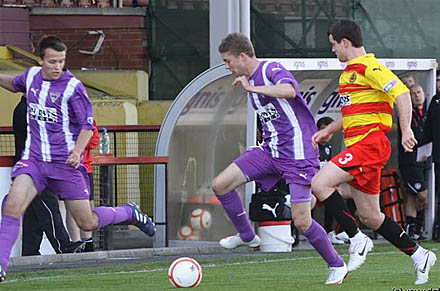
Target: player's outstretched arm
283, 90
325, 134
403, 102
6, 82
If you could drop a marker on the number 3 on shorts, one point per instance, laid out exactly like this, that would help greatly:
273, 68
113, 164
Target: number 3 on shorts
348, 157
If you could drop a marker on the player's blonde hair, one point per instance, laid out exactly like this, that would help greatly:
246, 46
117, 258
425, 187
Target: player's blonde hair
235, 44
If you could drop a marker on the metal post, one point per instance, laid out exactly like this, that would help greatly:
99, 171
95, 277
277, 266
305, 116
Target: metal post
166, 206
430, 208
356, 4
106, 196
245, 17
115, 153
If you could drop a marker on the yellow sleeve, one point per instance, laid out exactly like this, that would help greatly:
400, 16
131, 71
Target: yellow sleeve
384, 80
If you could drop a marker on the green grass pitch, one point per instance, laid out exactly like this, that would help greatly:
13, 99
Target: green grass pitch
386, 268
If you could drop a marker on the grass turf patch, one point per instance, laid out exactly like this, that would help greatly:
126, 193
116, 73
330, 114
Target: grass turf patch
386, 268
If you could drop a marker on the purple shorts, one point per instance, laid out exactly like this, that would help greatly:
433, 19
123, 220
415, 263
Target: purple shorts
63, 179
260, 167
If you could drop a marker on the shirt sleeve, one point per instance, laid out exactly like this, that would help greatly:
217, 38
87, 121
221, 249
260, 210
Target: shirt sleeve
277, 74
82, 108
19, 82
94, 140
385, 80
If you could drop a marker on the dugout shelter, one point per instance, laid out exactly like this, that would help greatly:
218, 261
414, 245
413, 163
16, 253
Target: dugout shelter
210, 123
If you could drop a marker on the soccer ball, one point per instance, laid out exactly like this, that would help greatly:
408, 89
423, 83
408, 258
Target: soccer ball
187, 233
185, 273
200, 219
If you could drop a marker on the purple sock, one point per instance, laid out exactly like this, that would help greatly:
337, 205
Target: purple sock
318, 238
9, 229
112, 215
233, 206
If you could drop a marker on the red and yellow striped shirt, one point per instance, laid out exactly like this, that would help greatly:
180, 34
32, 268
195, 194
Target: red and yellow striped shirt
368, 91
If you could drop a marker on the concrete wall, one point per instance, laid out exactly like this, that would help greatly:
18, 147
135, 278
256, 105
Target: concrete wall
152, 112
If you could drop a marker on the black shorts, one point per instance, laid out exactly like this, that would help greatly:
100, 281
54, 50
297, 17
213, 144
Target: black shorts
415, 179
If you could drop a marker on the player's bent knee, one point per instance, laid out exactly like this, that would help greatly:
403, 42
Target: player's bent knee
301, 227
13, 209
301, 224
87, 225
217, 187
422, 200
214, 186
316, 188
371, 221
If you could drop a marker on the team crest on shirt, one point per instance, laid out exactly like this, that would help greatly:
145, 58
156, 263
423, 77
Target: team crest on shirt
268, 113
353, 77
42, 113
54, 96
345, 99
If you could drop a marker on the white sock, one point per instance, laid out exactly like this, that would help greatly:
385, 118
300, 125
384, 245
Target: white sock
359, 235
418, 255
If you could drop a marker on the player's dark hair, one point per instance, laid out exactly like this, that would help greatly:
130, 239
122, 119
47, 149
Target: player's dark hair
235, 44
324, 121
349, 29
50, 41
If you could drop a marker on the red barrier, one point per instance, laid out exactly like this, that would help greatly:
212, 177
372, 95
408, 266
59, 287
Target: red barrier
390, 196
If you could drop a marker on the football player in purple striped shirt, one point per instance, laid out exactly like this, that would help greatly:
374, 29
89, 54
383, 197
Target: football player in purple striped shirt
286, 153
60, 124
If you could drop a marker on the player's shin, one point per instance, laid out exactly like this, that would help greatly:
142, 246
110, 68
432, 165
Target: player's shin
336, 205
9, 230
317, 237
393, 233
112, 215
233, 206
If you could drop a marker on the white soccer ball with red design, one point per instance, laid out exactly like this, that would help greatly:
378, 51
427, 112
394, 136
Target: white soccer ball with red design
185, 273
200, 219
187, 233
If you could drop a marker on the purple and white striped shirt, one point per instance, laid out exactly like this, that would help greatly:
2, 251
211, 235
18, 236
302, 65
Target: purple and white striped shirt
57, 111
288, 124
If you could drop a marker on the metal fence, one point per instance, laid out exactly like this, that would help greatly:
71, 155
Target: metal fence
131, 182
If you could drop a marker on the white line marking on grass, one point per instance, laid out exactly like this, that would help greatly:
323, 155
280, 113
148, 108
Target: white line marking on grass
203, 265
